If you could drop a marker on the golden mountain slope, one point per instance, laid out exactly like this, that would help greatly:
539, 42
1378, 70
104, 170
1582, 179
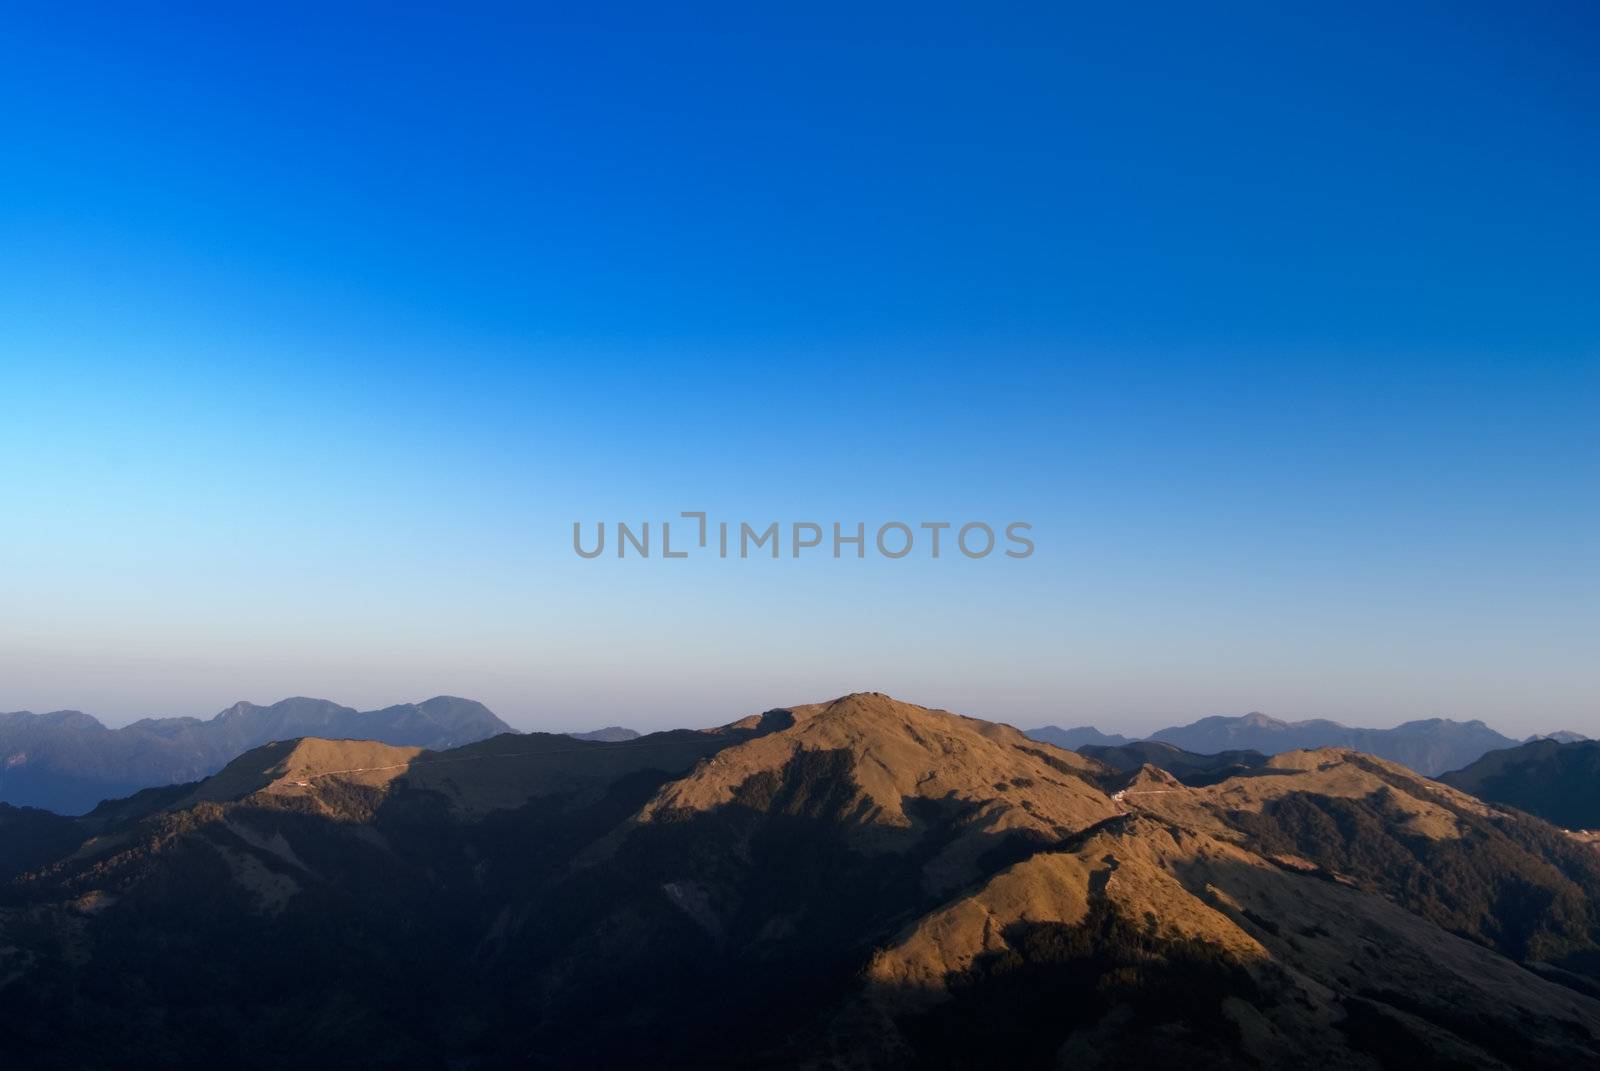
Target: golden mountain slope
293, 767
1312, 945
1323, 952
1326, 772
898, 753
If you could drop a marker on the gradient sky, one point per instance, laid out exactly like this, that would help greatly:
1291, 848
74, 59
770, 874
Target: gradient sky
318, 330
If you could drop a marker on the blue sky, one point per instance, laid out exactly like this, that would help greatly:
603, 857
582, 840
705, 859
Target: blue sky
318, 330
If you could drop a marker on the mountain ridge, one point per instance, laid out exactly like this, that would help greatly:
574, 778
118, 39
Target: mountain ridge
861, 882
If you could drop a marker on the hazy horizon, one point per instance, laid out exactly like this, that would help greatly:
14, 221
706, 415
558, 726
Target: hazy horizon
656, 718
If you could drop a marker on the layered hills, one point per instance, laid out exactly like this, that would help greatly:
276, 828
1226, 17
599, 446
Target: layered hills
67, 761
858, 883
1186, 766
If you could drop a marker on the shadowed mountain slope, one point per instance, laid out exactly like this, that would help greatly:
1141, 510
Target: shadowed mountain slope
31, 838
860, 883
1559, 782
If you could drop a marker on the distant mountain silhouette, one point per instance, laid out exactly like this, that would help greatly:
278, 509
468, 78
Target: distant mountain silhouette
1188, 767
1429, 746
1073, 739
860, 883
66, 761
1559, 782
611, 734
1561, 737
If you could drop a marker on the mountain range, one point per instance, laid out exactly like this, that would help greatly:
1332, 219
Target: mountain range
1429, 746
67, 761
860, 883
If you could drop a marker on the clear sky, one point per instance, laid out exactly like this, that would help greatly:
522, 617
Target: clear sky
318, 330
